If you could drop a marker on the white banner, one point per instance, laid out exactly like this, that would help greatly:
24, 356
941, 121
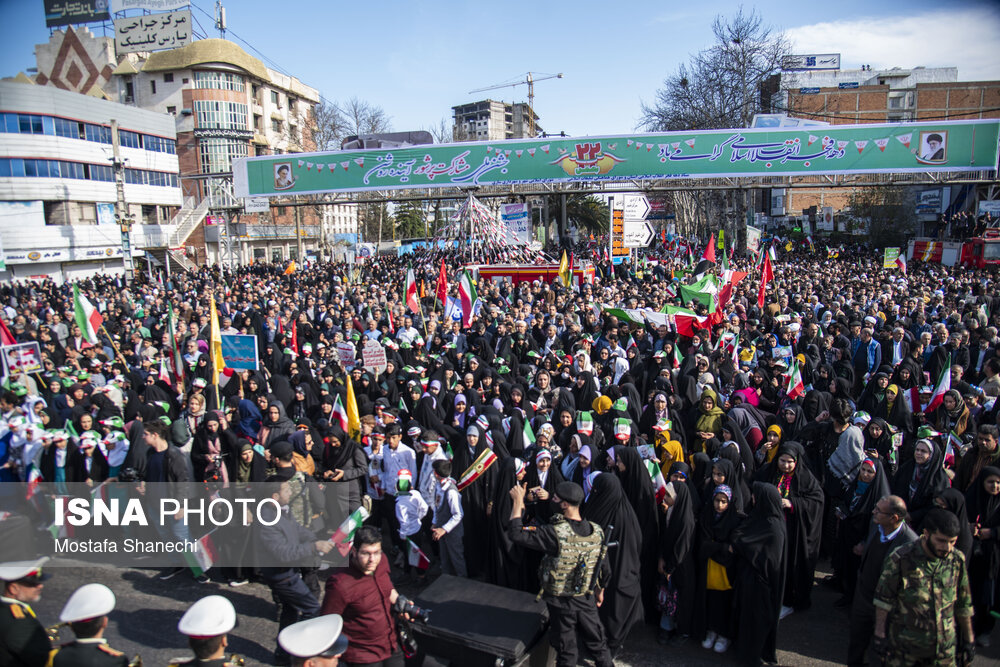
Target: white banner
153, 32
151, 5
753, 239
518, 221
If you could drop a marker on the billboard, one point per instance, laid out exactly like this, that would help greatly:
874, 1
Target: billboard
64, 12
805, 63
841, 149
934, 200
153, 32
149, 5
518, 221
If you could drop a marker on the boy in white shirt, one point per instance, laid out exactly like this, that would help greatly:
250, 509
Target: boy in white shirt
410, 511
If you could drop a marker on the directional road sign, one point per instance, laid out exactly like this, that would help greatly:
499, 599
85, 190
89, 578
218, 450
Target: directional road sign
637, 233
636, 207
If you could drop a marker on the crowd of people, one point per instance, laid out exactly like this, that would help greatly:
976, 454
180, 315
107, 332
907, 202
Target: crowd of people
842, 409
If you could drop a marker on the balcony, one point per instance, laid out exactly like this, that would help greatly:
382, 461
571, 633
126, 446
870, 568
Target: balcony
266, 232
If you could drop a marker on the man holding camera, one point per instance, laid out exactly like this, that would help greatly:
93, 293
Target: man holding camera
571, 571
366, 599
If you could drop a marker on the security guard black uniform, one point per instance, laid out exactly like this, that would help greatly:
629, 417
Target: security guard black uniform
572, 550
23, 640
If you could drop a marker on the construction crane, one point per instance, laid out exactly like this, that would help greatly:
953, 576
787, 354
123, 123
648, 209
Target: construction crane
529, 79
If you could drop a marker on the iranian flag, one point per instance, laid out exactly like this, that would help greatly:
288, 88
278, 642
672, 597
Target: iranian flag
766, 276
204, 556
901, 263
415, 557
796, 387
412, 302
478, 467
340, 413
943, 385
659, 484
528, 434
34, 480
87, 317
344, 537
912, 398
467, 293
164, 373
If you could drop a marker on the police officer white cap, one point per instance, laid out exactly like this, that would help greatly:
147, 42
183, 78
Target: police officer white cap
21, 569
210, 616
315, 637
88, 602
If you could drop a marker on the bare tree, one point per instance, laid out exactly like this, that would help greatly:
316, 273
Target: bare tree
328, 126
361, 117
722, 86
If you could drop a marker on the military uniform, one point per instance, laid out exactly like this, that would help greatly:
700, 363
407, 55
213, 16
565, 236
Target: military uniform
924, 597
23, 640
195, 662
572, 549
88, 653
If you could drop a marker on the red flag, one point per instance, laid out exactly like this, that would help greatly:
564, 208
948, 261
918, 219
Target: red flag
442, 285
294, 344
6, 337
767, 275
709, 253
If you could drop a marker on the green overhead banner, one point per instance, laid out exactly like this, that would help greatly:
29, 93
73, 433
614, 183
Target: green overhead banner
841, 149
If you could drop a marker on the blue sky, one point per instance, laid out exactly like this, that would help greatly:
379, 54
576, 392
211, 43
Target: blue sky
418, 59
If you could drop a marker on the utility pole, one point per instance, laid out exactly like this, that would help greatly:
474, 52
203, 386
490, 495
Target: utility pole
122, 216
298, 232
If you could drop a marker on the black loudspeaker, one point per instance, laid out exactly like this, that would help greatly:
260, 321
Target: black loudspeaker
473, 624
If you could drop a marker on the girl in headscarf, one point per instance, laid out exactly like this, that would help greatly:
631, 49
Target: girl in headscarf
952, 416
607, 506
708, 421
982, 503
505, 560
769, 446
250, 419
716, 572
854, 516
213, 450
638, 488
652, 414
802, 501
277, 426
920, 480
759, 545
793, 420
477, 500
676, 562
953, 500
250, 466
542, 479
302, 445
724, 474
343, 467
878, 439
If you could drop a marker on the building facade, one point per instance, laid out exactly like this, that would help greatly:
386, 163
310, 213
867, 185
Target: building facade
57, 182
491, 120
895, 95
224, 104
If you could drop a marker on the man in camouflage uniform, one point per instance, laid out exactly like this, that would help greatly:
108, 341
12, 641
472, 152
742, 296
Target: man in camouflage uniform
923, 597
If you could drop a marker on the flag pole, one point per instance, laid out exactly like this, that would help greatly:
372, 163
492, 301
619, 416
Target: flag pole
114, 345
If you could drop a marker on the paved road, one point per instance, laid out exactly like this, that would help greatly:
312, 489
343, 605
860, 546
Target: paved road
145, 622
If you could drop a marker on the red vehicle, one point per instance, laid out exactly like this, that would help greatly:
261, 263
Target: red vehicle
980, 252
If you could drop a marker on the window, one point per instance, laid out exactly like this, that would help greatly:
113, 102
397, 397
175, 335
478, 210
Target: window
219, 81
168, 77
129, 91
129, 139
172, 110
98, 133
152, 86
258, 123
279, 210
276, 255
217, 154
160, 144
275, 125
30, 168
67, 128
30, 124
221, 115
275, 99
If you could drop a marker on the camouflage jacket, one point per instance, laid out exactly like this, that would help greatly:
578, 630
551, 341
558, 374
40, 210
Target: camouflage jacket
924, 596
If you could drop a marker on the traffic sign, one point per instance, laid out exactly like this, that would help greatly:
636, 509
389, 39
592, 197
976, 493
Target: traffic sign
618, 250
636, 207
637, 233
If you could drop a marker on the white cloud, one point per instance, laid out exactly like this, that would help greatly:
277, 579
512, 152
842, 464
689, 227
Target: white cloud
963, 38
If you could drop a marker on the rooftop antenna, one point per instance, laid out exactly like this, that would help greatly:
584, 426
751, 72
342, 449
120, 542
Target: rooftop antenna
220, 18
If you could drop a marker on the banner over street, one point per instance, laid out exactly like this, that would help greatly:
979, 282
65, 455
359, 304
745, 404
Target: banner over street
877, 148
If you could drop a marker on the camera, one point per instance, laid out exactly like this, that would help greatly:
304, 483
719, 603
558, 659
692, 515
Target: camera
128, 475
406, 606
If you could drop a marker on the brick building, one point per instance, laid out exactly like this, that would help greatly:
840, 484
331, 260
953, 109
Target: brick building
856, 96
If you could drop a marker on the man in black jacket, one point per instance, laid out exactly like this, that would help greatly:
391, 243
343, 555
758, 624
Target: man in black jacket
283, 548
889, 530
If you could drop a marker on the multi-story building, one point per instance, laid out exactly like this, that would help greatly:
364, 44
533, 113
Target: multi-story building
57, 183
490, 120
224, 104
854, 96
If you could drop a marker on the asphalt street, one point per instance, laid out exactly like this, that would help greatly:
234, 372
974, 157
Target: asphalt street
145, 622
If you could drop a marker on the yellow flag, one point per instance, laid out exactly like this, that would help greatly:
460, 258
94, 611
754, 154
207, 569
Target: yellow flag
564, 270
290, 269
353, 420
789, 246
215, 344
